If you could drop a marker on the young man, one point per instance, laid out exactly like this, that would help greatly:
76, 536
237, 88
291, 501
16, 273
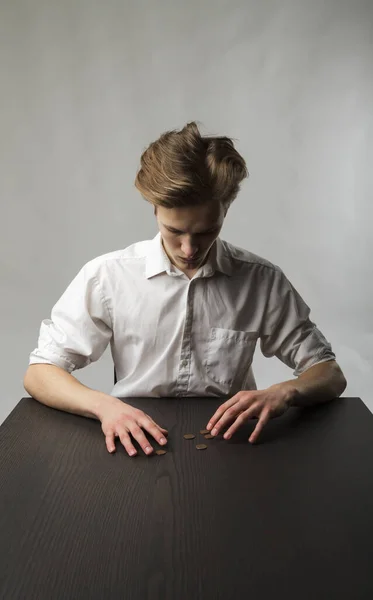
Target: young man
182, 312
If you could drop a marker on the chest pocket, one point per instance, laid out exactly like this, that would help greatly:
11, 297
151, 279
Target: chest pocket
229, 354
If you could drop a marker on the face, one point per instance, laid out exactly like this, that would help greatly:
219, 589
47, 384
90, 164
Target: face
188, 233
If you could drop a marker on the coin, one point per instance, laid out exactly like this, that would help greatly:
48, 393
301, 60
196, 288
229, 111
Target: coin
201, 446
209, 436
160, 452
204, 431
189, 436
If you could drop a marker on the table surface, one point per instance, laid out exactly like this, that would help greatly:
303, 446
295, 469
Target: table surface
289, 518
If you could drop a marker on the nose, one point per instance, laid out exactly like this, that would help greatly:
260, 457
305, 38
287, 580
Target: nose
189, 249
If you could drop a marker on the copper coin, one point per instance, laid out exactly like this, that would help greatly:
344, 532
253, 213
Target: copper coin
160, 452
209, 436
204, 431
189, 436
201, 446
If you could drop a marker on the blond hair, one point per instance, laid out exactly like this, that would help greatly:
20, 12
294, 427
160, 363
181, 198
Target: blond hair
183, 168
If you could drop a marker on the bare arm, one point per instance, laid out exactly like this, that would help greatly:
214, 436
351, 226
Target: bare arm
56, 388
318, 384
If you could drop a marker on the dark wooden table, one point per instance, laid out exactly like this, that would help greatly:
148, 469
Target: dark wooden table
290, 518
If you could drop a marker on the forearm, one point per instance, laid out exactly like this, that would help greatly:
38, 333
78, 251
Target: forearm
56, 388
319, 384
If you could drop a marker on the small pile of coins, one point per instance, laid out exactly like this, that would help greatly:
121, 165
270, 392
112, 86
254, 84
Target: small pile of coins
205, 432
190, 436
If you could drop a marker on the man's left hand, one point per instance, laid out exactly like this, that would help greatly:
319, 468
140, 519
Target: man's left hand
264, 404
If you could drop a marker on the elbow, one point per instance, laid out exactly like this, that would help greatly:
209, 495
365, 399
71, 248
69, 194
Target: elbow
341, 382
29, 378
27, 381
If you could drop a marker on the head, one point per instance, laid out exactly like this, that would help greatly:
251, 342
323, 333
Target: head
191, 180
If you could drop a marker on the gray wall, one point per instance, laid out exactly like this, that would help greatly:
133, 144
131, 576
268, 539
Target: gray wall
86, 85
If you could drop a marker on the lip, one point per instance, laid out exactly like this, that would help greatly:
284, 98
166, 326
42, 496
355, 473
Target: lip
189, 262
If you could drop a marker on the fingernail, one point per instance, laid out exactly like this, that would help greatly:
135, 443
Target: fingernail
214, 431
209, 425
162, 441
148, 449
227, 436
132, 452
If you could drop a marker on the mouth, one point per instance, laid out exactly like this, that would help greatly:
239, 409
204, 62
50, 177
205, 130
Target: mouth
190, 262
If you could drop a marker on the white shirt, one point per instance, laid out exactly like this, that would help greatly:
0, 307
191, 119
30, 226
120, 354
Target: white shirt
175, 336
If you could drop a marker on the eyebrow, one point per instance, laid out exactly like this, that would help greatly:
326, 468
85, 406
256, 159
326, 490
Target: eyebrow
198, 233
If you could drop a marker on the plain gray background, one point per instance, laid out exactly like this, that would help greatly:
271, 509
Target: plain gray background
87, 85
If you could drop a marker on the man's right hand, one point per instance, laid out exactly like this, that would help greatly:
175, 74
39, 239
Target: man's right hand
122, 420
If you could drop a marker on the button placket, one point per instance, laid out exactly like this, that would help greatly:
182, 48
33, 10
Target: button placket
185, 355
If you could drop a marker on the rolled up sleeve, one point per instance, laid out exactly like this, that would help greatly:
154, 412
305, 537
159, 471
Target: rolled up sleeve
80, 327
288, 332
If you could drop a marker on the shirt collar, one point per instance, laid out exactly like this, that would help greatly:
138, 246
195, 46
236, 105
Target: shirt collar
158, 262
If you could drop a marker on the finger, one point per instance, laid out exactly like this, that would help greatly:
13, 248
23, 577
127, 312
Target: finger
157, 432
263, 420
233, 412
221, 410
109, 440
125, 438
156, 424
164, 431
139, 436
243, 418
227, 419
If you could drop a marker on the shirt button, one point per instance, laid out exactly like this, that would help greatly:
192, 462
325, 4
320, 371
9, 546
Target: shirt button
184, 363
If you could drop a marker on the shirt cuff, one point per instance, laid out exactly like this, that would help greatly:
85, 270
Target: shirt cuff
48, 356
